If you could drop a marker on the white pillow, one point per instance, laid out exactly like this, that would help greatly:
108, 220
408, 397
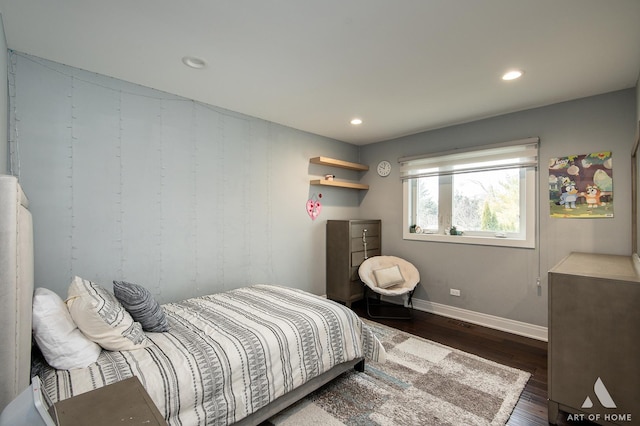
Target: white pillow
62, 344
388, 277
102, 318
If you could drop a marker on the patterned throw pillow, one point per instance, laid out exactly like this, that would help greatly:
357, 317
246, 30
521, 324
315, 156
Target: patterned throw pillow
141, 305
100, 316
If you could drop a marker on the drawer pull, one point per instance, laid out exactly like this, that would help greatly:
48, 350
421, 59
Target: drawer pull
364, 243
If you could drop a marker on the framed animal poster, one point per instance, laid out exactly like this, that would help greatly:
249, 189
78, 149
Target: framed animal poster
581, 186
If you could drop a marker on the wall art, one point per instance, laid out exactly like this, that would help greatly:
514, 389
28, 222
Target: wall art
581, 186
313, 206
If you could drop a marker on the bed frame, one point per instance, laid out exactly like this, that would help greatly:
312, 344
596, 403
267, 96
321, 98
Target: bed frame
16, 298
16, 289
294, 396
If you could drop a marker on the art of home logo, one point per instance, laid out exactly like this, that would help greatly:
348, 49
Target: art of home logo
603, 396
606, 401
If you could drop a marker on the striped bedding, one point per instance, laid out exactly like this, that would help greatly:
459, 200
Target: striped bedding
227, 355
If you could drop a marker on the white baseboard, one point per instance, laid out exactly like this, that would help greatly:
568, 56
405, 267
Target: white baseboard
503, 324
491, 321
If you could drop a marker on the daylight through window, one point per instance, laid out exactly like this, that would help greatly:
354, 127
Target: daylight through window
481, 196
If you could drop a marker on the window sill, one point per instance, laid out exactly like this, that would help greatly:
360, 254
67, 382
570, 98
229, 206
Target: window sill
473, 240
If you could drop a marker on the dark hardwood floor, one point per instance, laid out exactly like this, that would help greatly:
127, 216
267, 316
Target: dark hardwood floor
505, 348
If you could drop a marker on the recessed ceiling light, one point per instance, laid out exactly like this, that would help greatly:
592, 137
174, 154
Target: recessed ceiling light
356, 121
512, 75
194, 62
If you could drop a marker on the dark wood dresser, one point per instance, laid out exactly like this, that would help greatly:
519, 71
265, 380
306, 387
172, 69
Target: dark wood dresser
345, 252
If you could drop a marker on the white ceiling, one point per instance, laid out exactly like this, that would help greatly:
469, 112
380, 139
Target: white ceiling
403, 66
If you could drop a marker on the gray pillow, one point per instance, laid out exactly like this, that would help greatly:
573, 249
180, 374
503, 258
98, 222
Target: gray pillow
139, 302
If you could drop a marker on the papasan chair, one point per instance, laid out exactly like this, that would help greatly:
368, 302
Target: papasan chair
389, 276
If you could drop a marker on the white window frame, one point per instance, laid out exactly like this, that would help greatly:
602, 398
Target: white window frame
445, 165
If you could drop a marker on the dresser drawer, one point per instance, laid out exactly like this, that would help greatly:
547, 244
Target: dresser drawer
358, 257
372, 243
373, 229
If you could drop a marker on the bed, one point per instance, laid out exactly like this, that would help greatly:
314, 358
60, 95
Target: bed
229, 355
236, 357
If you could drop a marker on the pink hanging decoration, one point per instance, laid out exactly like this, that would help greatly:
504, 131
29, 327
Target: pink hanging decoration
313, 208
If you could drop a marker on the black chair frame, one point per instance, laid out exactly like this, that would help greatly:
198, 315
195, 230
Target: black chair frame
407, 309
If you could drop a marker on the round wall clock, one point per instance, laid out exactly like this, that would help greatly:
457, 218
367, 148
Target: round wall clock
384, 168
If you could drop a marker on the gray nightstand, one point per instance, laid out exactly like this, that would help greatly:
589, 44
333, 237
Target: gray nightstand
122, 403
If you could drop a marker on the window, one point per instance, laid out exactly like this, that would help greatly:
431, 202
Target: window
488, 194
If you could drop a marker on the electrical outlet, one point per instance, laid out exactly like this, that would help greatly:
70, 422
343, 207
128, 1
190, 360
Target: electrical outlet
454, 292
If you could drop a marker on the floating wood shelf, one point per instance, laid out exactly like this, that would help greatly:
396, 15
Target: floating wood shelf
326, 161
340, 184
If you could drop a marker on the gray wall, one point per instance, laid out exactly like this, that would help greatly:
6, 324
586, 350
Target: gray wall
502, 281
131, 183
4, 136
186, 199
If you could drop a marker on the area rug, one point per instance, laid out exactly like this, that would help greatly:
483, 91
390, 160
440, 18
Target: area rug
422, 383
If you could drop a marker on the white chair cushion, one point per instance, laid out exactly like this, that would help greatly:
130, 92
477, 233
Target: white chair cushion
388, 277
56, 334
409, 273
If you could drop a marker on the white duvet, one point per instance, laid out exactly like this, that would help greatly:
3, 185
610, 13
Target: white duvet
229, 354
